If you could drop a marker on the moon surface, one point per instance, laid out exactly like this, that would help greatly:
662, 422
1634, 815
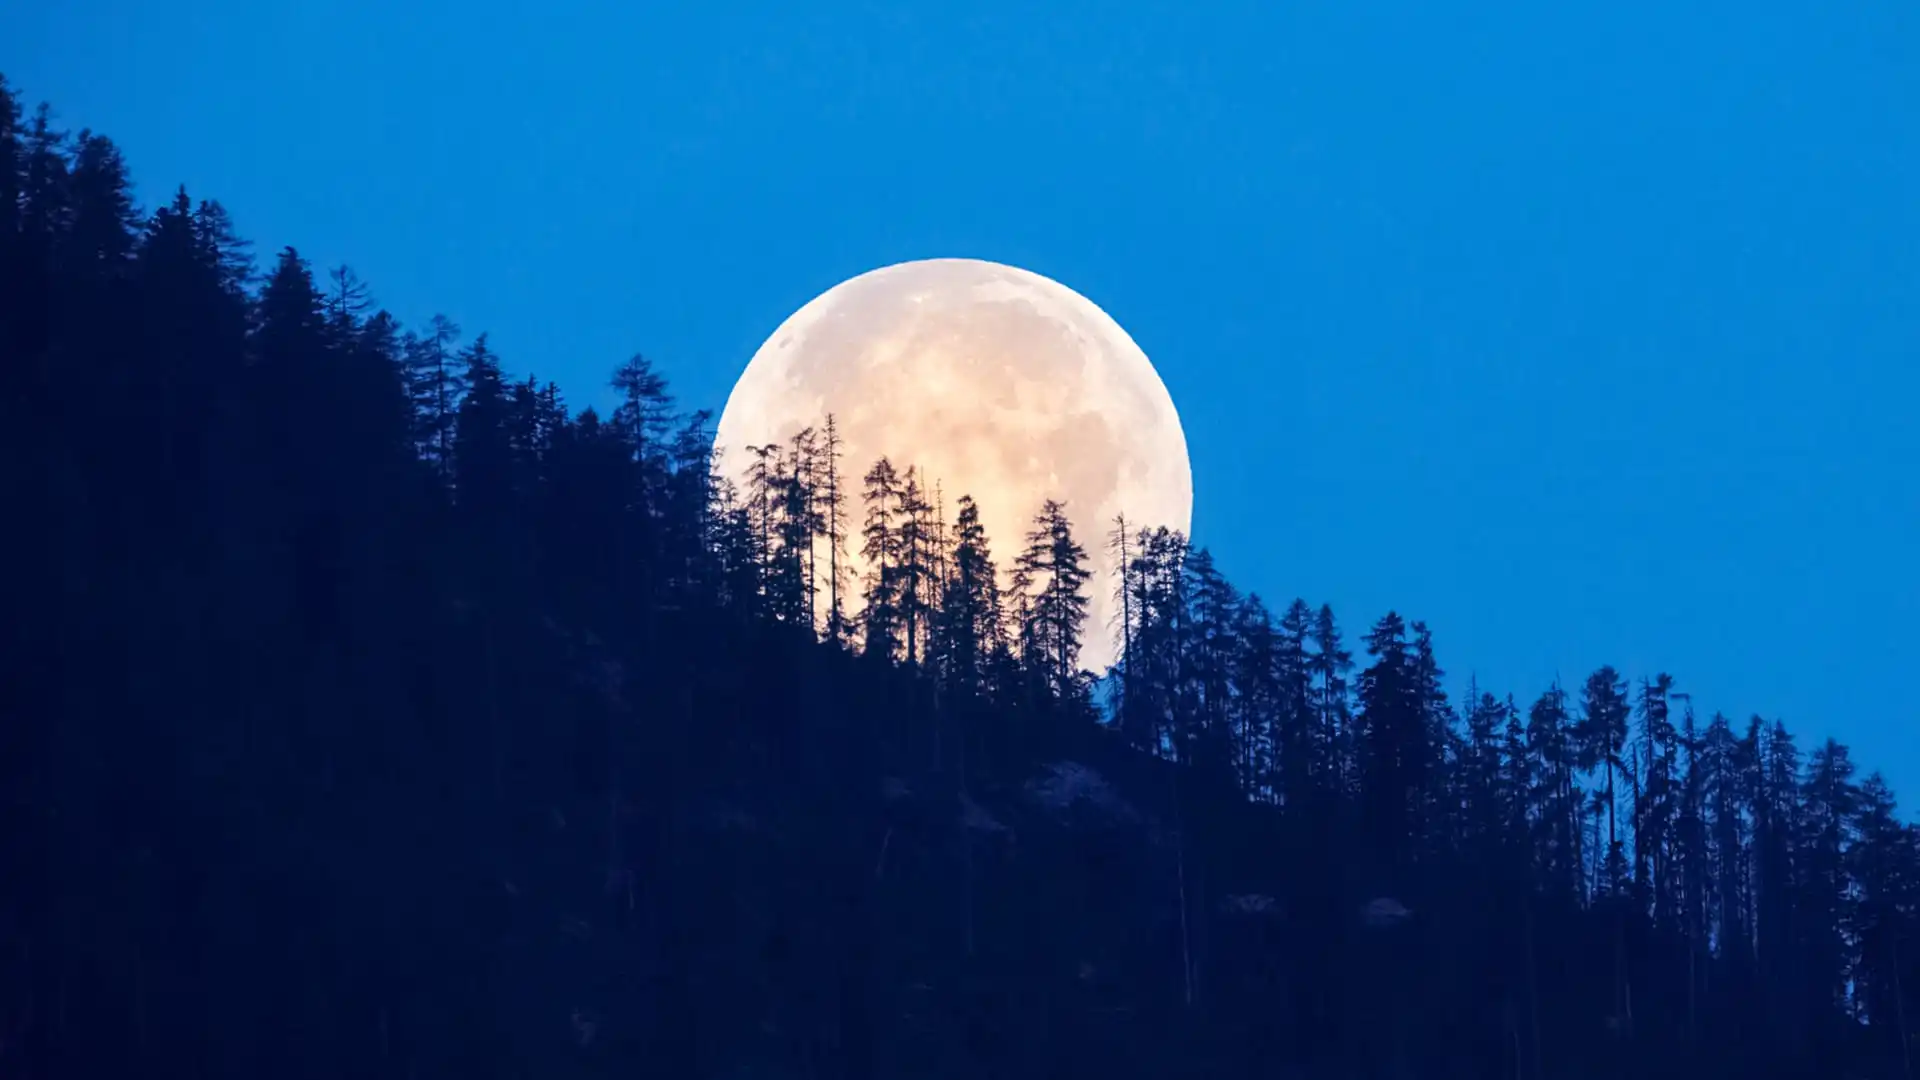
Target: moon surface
994, 382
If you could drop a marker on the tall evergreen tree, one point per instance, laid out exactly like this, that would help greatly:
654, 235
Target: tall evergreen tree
1393, 744
915, 537
881, 603
833, 527
1054, 569
435, 384
1553, 749
970, 610
1655, 802
1302, 764
1602, 738
1328, 665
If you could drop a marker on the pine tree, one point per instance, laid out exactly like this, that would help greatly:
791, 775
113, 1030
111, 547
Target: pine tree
1602, 738
1883, 863
1722, 792
373, 364
1257, 670
1154, 675
1774, 793
1553, 750
1328, 665
645, 414
291, 363
1516, 781
11, 152
881, 549
1054, 572
99, 237
914, 535
803, 515
1692, 864
1393, 743
1303, 765
644, 419
786, 493
687, 556
45, 189
434, 387
1481, 772
348, 300
833, 520
1120, 550
482, 451
1831, 805
1210, 647
736, 551
222, 249
1436, 747
1655, 812
970, 611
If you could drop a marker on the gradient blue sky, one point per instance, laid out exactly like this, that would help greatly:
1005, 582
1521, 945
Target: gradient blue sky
1585, 331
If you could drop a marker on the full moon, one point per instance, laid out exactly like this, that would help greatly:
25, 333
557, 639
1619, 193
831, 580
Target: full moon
993, 382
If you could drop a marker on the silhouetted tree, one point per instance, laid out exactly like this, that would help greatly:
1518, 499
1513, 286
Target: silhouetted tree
881, 600
970, 614
1602, 738
434, 385
833, 529
1054, 571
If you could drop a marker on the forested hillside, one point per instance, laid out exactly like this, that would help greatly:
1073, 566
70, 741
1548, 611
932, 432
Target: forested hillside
368, 712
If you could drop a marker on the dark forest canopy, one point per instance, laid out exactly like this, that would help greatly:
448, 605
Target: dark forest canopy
371, 713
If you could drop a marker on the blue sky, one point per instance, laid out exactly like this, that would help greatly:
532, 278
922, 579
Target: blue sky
1585, 331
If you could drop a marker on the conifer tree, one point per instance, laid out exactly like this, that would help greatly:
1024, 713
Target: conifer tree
1655, 809
788, 499
1210, 647
881, 601
1054, 572
1602, 737
1154, 677
833, 527
1553, 749
1516, 774
736, 551
1257, 671
99, 235
915, 540
1776, 811
645, 414
1480, 773
970, 609
348, 300
1722, 794
1831, 804
1328, 665
1303, 764
1882, 923
1437, 744
1120, 550
1393, 745
10, 168
435, 384
804, 524
45, 186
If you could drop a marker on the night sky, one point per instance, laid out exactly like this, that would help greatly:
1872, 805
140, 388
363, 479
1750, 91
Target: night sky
1586, 332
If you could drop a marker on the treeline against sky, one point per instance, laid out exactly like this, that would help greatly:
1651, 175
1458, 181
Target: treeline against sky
370, 712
